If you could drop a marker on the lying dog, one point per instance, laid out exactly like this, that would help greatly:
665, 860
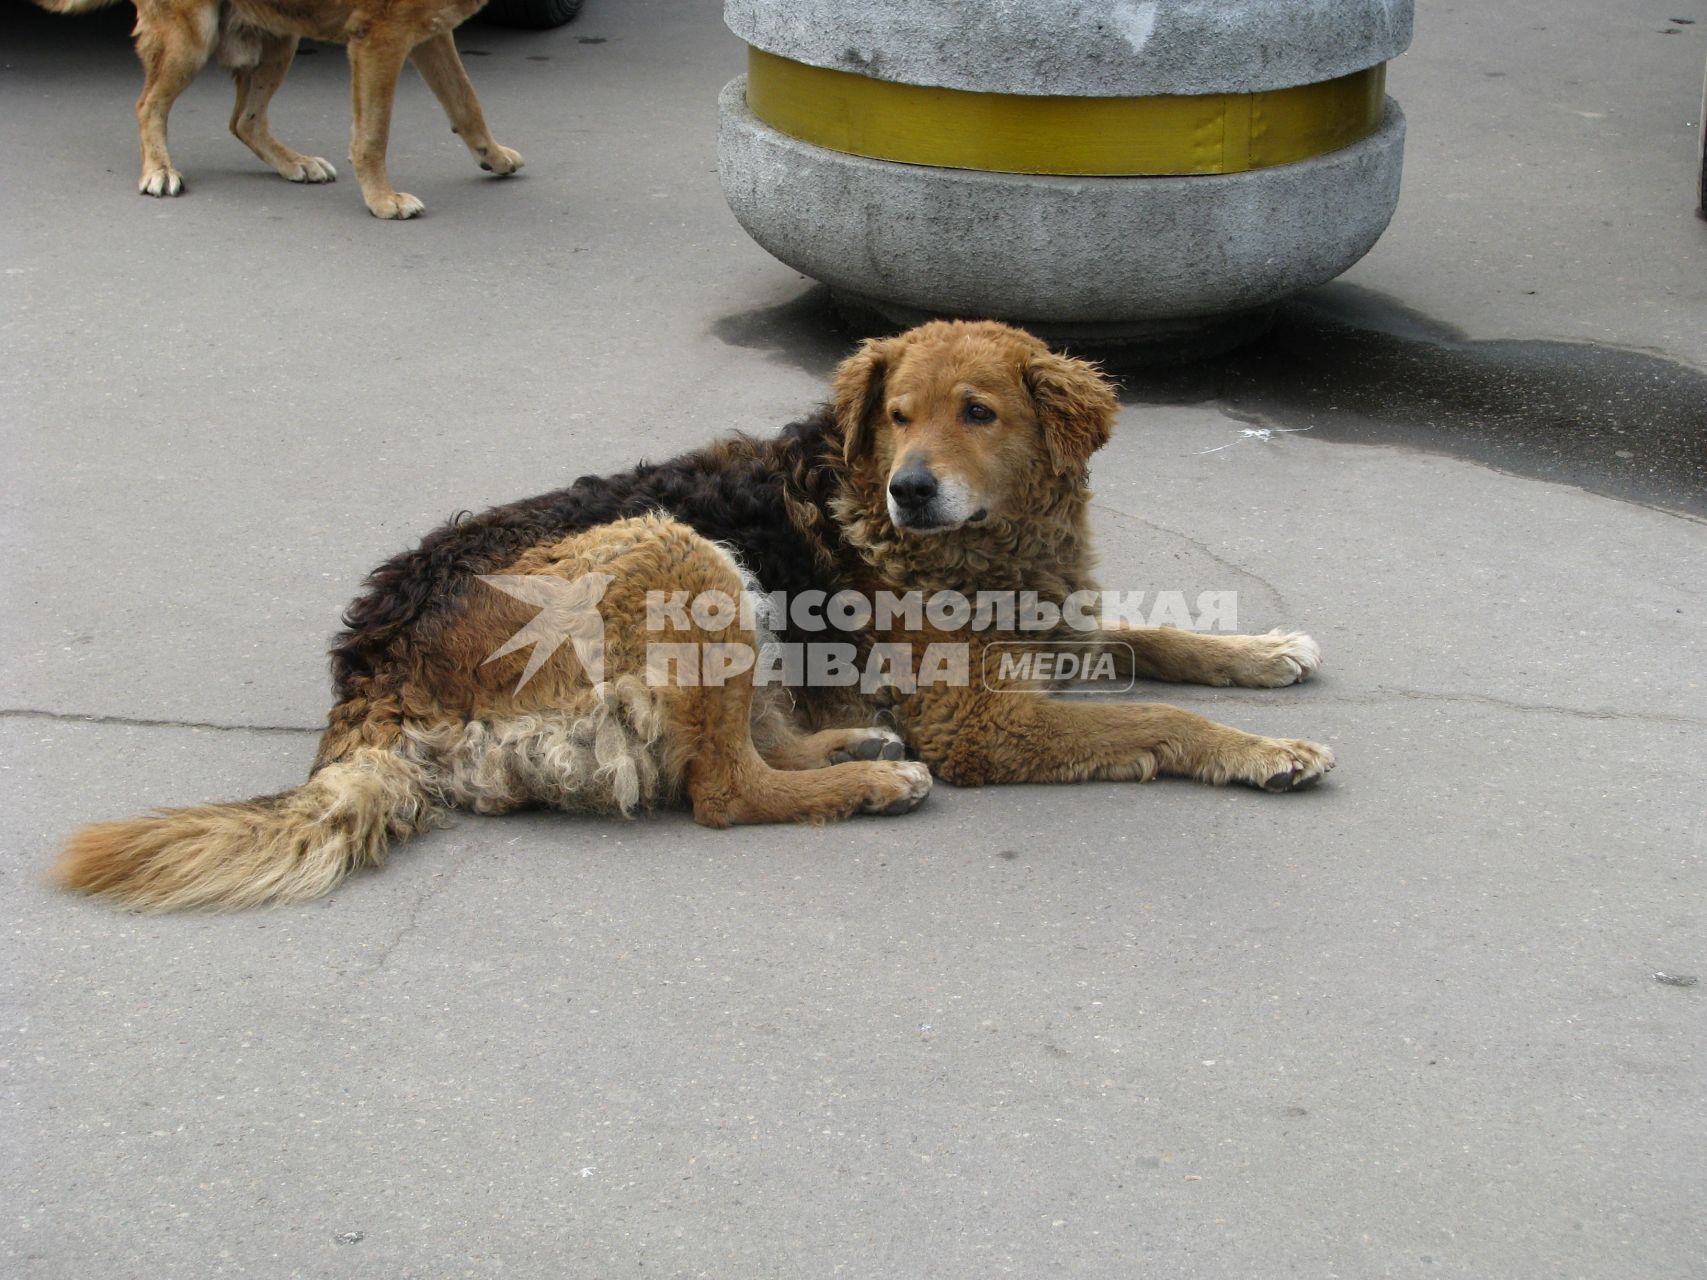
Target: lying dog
257, 39
952, 460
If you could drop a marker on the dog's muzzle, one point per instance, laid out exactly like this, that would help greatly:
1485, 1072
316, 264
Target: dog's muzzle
921, 502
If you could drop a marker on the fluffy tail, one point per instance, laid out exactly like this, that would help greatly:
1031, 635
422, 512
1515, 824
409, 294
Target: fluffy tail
283, 848
75, 6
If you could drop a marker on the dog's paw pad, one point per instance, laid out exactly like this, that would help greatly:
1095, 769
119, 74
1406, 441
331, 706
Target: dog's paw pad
1294, 765
872, 744
910, 784
1297, 779
399, 205
311, 169
161, 182
500, 160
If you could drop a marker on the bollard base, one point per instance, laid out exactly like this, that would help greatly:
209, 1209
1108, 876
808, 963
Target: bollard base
1183, 265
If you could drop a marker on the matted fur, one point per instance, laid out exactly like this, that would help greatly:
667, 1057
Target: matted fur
423, 720
257, 40
600, 757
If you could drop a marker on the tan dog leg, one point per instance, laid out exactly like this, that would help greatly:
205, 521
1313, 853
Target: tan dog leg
711, 721
376, 60
831, 746
255, 88
974, 736
440, 66
731, 784
1199, 657
173, 43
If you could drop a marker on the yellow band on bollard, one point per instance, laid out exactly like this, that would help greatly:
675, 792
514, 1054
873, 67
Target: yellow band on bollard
1022, 133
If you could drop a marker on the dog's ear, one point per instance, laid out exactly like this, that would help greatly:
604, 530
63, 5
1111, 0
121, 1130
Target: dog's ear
858, 388
1075, 406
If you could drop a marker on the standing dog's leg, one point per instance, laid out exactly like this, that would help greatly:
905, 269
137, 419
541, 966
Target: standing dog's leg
376, 60
255, 88
173, 41
437, 61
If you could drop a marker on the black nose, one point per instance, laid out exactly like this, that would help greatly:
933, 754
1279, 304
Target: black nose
913, 485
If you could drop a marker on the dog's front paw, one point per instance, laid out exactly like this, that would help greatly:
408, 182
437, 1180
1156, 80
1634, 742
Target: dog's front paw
901, 787
1278, 764
164, 181
500, 160
1276, 659
399, 204
309, 169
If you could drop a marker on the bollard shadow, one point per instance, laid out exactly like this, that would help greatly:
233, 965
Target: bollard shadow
1352, 365
806, 332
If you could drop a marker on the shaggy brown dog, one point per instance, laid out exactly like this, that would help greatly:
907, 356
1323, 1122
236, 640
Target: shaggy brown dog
953, 459
257, 39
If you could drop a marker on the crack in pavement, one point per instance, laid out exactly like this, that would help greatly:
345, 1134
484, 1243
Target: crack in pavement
80, 717
1264, 583
435, 886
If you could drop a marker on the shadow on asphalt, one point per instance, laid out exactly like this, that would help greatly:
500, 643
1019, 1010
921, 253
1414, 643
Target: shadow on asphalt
1352, 365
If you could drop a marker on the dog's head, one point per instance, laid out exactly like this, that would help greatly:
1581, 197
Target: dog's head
964, 420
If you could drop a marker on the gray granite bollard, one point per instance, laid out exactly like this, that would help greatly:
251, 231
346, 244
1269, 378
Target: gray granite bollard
1154, 172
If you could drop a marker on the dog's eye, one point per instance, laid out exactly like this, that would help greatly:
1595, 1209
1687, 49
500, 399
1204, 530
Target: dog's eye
897, 417
976, 412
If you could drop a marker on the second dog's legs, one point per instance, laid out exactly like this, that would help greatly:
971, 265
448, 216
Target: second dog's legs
174, 46
255, 88
376, 59
437, 61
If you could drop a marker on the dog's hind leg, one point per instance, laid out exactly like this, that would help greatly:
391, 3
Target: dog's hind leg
788, 748
376, 60
440, 66
173, 41
255, 88
705, 687
731, 784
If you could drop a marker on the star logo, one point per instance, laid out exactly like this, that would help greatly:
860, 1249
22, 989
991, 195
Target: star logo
568, 613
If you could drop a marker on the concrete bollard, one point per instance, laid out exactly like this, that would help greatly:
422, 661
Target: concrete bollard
1158, 172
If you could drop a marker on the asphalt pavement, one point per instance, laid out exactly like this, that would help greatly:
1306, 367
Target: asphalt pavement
1438, 1017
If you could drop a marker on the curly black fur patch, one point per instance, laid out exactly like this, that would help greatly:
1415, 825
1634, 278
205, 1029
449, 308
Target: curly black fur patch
744, 493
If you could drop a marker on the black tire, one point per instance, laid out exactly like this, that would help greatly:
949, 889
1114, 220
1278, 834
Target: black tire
535, 14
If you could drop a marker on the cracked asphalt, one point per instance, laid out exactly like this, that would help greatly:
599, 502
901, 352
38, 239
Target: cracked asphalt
1430, 1019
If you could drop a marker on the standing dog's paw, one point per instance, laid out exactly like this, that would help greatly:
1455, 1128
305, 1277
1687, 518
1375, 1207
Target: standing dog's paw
1277, 659
309, 169
904, 785
164, 181
399, 205
500, 160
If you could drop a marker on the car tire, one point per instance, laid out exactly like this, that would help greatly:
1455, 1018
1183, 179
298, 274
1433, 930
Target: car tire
535, 14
